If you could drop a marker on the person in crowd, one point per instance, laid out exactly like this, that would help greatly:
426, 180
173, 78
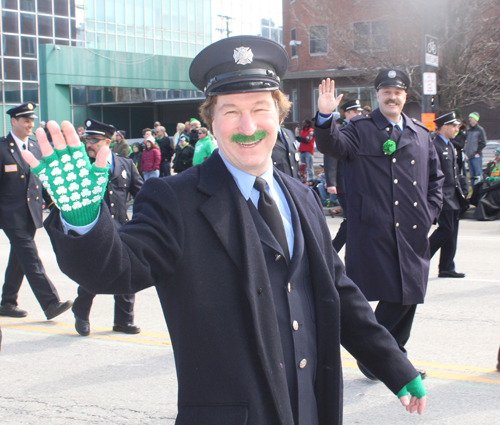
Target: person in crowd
187, 129
178, 132
156, 125
367, 110
167, 150
146, 132
306, 149
136, 155
476, 141
393, 185
21, 215
256, 321
445, 237
80, 130
150, 159
120, 145
204, 146
194, 125
458, 142
123, 180
492, 171
183, 155
285, 156
486, 194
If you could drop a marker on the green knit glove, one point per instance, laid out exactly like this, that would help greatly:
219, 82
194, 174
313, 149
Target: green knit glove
415, 387
75, 185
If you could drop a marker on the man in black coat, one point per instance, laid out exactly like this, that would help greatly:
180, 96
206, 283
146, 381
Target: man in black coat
20, 216
254, 296
394, 193
167, 150
446, 235
123, 180
285, 155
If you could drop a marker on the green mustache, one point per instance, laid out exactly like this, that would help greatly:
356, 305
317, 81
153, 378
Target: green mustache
241, 138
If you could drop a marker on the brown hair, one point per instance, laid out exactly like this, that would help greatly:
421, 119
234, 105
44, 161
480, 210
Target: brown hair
283, 105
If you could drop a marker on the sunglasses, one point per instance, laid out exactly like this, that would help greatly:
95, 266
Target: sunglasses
92, 140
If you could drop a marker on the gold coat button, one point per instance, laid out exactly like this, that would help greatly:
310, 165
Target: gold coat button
22, 176
289, 287
395, 181
303, 363
415, 204
414, 226
277, 257
397, 224
28, 199
295, 325
37, 198
396, 203
37, 187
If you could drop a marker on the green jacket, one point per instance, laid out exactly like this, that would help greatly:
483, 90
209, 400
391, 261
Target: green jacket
203, 150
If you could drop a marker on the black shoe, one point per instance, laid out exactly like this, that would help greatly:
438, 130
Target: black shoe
55, 309
423, 373
82, 326
129, 328
450, 273
12, 310
366, 372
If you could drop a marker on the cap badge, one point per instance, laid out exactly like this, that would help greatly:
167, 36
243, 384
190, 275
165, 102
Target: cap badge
30, 106
357, 101
392, 74
88, 123
243, 55
124, 174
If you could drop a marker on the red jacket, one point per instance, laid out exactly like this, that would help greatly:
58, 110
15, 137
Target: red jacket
150, 160
307, 147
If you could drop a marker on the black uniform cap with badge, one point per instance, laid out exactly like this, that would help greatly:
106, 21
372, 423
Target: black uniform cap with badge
239, 64
96, 130
392, 78
446, 119
26, 110
352, 105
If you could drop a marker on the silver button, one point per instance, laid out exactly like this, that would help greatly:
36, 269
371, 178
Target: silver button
395, 181
412, 161
396, 203
295, 325
112, 216
289, 287
37, 187
414, 183
110, 192
397, 224
275, 162
112, 204
415, 204
277, 257
303, 363
37, 198
393, 159
414, 226
291, 167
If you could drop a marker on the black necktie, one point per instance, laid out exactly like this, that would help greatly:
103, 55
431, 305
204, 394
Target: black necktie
271, 215
396, 134
24, 146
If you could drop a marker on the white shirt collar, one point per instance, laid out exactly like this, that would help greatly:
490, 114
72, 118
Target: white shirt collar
19, 142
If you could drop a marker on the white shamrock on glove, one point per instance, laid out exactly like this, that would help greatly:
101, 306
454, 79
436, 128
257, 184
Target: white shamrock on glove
63, 199
54, 164
77, 155
83, 172
96, 198
58, 181
80, 163
65, 158
61, 190
56, 172
66, 207
85, 182
97, 190
86, 193
101, 180
68, 167
85, 202
73, 186
77, 205
75, 196
70, 177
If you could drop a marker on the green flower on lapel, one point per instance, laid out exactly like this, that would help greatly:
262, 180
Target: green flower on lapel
389, 147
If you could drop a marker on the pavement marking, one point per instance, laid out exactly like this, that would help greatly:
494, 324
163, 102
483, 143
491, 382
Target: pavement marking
436, 370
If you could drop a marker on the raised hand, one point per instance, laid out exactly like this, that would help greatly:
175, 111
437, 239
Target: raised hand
76, 186
327, 103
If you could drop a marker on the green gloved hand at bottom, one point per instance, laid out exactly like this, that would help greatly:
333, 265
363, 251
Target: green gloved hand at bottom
415, 387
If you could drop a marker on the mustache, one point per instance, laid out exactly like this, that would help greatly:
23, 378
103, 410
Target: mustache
241, 138
394, 102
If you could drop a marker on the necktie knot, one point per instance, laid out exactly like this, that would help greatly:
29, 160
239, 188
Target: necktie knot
260, 184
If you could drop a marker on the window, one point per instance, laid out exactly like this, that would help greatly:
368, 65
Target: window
371, 36
318, 43
295, 106
293, 37
44, 26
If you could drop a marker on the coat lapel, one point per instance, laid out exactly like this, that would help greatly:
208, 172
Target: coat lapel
16, 153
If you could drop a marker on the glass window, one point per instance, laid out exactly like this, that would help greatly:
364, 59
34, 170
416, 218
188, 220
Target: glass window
110, 10
29, 70
120, 11
30, 92
293, 36
139, 31
62, 42
191, 16
72, 8
361, 36
159, 34
74, 30
61, 7
78, 95
199, 16
110, 28
9, 22
176, 49
12, 92
150, 32
9, 4
45, 41
137, 95
166, 14
101, 41
100, 14
167, 48
295, 106
157, 13
89, 9
139, 44
192, 38
150, 47
90, 39
100, 27
28, 24
130, 30
121, 44
28, 5
175, 36
110, 42
167, 35
28, 47
184, 36
159, 47
265, 32
11, 69
130, 12
149, 13
90, 25
184, 49
139, 13
45, 6
45, 26
130, 44
175, 15
318, 43
109, 94
10, 45
192, 49
120, 29
95, 94
123, 94
61, 27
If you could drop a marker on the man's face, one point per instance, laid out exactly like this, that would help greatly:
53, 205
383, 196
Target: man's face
93, 148
160, 132
448, 131
147, 134
201, 134
472, 121
118, 138
245, 114
22, 127
391, 101
349, 115
187, 127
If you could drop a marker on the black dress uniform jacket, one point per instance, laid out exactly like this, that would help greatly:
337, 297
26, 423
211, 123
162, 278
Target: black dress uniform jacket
453, 198
20, 190
392, 202
193, 237
285, 155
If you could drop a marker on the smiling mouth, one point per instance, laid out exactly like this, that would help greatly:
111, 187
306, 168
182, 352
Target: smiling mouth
249, 141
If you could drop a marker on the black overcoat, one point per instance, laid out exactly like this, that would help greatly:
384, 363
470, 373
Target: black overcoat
285, 156
392, 202
192, 236
20, 190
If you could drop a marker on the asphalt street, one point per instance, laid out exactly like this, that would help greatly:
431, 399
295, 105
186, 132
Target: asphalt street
50, 375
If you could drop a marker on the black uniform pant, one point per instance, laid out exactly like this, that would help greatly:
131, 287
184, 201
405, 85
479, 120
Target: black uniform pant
341, 237
445, 237
397, 319
24, 261
124, 307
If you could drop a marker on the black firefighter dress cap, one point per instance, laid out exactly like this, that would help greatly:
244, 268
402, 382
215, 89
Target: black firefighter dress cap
449, 118
239, 64
94, 128
352, 105
26, 110
392, 78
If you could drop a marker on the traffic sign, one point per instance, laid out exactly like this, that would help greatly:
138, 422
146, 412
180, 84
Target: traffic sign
431, 51
429, 83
